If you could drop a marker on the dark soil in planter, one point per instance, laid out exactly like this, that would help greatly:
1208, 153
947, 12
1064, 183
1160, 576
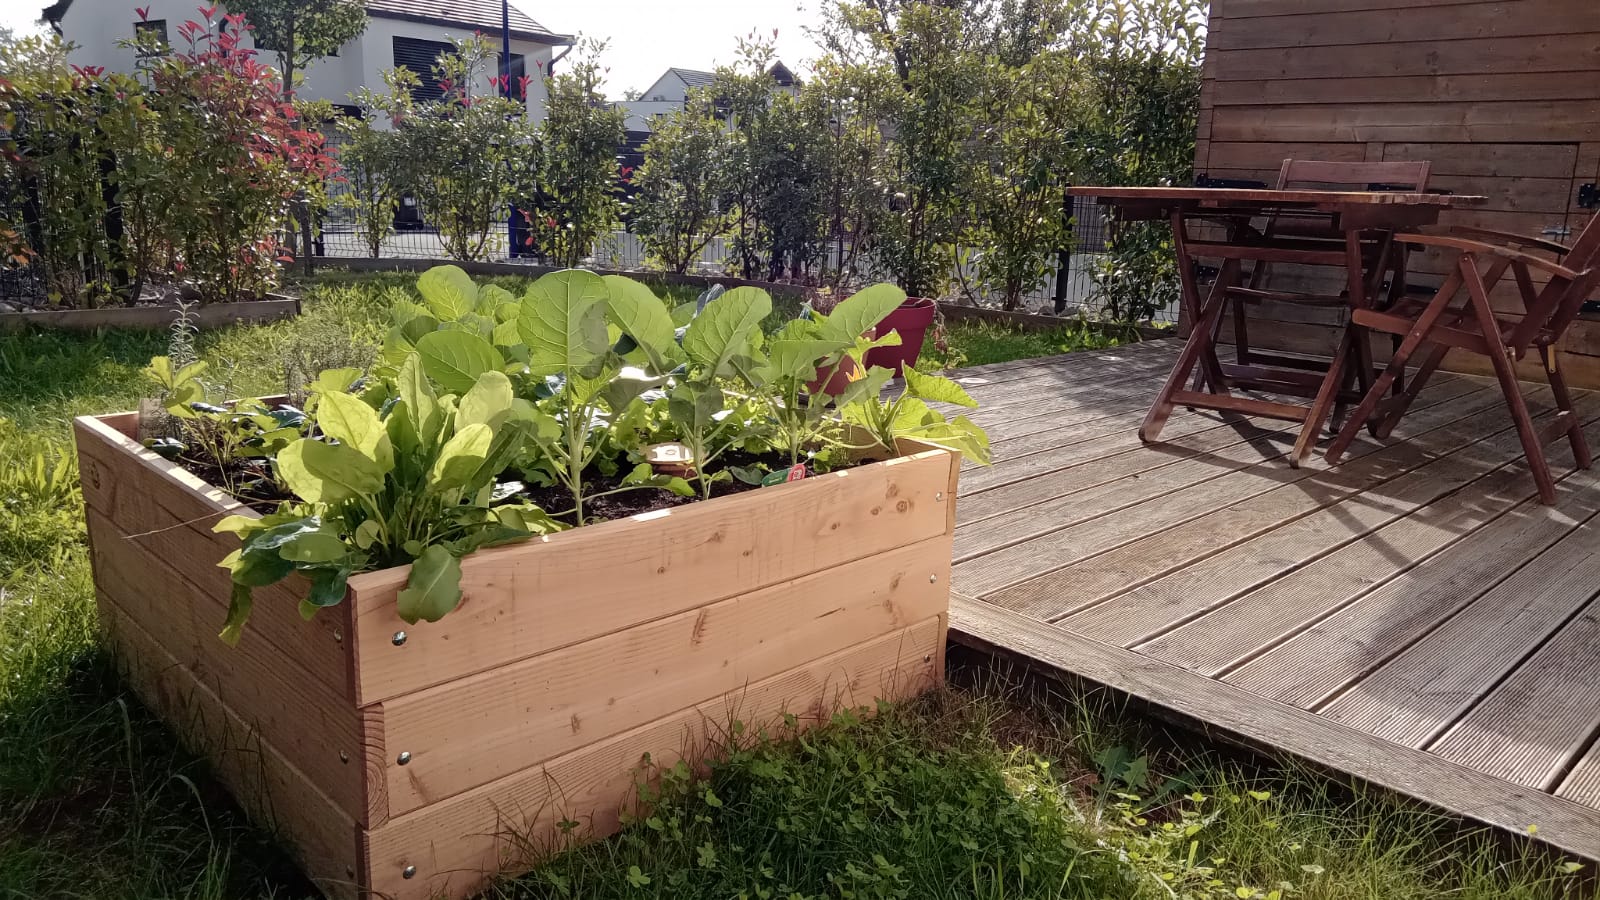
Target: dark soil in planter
255, 487
651, 499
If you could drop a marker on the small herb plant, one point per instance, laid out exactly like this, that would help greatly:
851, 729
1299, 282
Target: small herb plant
481, 401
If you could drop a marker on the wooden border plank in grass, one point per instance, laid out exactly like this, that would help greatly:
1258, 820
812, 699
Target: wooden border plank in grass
151, 318
1259, 723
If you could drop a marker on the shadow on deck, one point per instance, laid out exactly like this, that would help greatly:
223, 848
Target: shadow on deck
1414, 618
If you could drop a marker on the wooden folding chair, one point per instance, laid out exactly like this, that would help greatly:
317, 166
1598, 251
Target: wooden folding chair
1440, 325
1381, 256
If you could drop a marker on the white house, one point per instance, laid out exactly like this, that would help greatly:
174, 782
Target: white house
399, 32
671, 90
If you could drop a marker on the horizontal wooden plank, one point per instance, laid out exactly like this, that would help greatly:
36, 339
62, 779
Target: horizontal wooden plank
1226, 637
1483, 160
1494, 122
1249, 9
529, 598
306, 720
1506, 20
1548, 53
1359, 654
1355, 505
1582, 784
456, 843
168, 514
1058, 592
1414, 697
477, 729
1537, 722
1268, 156
1260, 723
278, 796
1460, 88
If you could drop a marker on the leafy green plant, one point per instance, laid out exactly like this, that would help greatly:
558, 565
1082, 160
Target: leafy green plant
466, 156
576, 202
676, 212
218, 434
414, 485
908, 415
792, 378
723, 339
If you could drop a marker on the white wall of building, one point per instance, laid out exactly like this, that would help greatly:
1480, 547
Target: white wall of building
97, 27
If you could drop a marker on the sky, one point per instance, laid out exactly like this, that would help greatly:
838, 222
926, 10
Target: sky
646, 37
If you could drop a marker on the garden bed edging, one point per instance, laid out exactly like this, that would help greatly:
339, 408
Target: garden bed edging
401, 759
272, 308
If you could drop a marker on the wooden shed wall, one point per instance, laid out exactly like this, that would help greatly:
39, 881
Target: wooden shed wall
1503, 96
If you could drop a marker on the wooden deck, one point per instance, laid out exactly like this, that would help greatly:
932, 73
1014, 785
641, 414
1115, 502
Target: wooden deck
1414, 618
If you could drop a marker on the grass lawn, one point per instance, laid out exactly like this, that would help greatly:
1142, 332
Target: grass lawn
970, 793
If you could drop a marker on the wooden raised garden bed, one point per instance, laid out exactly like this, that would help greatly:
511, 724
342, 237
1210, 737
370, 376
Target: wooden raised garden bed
271, 308
413, 761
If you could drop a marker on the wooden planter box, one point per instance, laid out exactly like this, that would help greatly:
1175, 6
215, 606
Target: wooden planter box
271, 308
414, 761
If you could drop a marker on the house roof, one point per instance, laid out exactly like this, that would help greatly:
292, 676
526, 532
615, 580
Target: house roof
694, 78
479, 15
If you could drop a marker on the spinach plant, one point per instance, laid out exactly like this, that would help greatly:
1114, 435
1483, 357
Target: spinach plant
908, 415
412, 481
221, 436
790, 379
722, 339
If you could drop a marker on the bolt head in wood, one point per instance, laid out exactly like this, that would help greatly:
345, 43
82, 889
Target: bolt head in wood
399, 638
939, 497
932, 579
404, 757
344, 757
408, 872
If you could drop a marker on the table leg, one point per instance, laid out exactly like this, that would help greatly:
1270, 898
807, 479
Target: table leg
1210, 373
1199, 346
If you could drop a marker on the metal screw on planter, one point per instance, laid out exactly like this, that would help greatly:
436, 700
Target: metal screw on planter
933, 579
408, 872
404, 757
338, 636
344, 757
939, 497
399, 638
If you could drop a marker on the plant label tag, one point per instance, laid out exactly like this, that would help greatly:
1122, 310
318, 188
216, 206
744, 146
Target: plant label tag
796, 472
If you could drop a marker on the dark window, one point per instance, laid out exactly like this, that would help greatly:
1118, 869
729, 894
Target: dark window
419, 56
152, 36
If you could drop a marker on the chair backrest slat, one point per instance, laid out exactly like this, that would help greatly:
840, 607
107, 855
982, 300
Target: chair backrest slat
1309, 173
1554, 307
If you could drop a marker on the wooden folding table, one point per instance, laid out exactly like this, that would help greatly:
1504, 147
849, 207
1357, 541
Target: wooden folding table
1367, 220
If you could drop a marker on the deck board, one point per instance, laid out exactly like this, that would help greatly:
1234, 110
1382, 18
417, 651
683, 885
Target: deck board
1413, 617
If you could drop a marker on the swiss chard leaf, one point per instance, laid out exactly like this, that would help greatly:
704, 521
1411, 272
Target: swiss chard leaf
434, 588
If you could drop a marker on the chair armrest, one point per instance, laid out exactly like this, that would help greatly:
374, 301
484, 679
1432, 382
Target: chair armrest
1469, 246
1519, 240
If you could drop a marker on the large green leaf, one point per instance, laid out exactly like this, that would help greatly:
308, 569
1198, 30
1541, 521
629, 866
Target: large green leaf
420, 401
693, 406
936, 388
563, 322
434, 588
239, 604
448, 291
461, 456
491, 297
328, 473
487, 402
729, 326
314, 547
455, 359
798, 358
642, 316
350, 421
861, 312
